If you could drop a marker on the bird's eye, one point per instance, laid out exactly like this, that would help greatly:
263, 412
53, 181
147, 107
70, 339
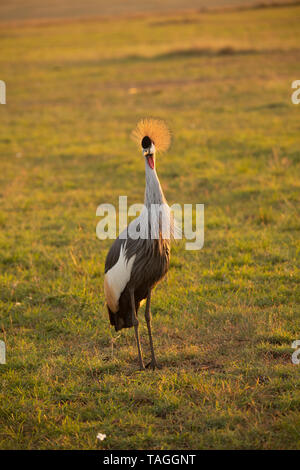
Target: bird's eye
146, 142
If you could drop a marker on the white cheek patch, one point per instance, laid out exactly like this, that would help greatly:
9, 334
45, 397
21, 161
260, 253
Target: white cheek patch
116, 278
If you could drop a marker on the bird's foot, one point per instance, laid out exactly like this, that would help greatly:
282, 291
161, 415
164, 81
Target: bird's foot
153, 365
142, 365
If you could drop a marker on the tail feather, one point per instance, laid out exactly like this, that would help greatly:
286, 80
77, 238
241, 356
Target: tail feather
120, 319
123, 317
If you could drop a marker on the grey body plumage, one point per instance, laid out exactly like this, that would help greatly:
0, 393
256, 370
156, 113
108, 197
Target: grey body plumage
150, 266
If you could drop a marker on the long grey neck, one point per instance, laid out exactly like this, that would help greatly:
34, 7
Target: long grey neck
153, 191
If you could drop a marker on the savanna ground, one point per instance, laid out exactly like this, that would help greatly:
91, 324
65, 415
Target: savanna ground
225, 317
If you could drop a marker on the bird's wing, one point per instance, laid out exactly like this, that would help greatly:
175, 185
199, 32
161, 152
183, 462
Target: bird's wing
117, 273
113, 254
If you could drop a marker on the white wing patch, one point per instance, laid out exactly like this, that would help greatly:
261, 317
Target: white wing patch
116, 278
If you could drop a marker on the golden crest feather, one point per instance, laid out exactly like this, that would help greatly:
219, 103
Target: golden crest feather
156, 130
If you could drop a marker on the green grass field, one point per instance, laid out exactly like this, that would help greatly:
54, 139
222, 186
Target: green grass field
225, 317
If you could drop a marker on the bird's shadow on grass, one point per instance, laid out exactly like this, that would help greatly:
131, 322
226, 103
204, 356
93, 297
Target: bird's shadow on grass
166, 364
190, 364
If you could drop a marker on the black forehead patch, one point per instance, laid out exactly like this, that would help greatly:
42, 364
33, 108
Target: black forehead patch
146, 142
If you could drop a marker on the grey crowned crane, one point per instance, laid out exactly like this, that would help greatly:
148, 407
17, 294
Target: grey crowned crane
139, 258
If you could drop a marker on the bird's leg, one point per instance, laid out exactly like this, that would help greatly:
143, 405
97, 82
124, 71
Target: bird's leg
153, 364
136, 329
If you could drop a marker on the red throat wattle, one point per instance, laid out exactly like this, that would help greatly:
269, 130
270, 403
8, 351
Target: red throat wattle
150, 161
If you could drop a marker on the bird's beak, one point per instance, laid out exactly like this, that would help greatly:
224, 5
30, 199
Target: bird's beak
149, 155
147, 151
